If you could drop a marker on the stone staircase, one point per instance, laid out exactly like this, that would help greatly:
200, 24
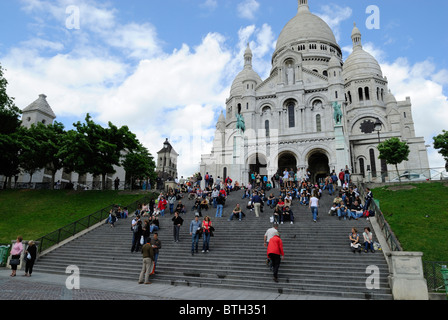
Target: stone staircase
318, 260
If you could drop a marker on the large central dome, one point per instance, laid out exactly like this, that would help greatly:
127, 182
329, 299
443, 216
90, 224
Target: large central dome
305, 26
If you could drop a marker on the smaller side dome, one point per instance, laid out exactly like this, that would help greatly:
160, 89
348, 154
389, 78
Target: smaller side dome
360, 63
247, 74
334, 62
390, 98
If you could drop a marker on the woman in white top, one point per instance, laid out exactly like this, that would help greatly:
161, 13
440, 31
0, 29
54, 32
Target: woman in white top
368, 240
314, 205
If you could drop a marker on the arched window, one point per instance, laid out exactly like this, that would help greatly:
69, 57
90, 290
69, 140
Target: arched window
291, 115
361, 167
318, 123
373, 163
378, 94
361, 98
367, 93
266, 127
349, 97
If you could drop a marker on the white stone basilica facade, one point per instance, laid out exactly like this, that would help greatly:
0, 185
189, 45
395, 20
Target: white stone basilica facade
292, 119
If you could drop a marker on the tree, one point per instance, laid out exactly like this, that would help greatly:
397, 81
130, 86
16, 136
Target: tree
9, 156
9, 113
441, 144
32, 154
96, 150
9, 124
394, 152
50, 138
139, 163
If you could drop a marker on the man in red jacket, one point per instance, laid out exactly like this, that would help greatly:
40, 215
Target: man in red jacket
275, 254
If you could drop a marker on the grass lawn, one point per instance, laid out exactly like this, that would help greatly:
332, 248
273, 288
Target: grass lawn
35, 213
418, 215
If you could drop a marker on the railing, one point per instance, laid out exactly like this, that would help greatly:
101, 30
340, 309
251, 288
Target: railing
391, 239
406, 176
433, 274
56, 237
78, 186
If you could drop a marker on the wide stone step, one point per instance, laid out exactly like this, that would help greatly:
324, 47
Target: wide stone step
318, 258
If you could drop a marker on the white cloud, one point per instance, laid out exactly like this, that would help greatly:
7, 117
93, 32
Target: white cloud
210, 4
247, 9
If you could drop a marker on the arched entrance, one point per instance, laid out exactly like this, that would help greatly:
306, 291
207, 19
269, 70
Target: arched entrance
258, 164
318, 165
287, 161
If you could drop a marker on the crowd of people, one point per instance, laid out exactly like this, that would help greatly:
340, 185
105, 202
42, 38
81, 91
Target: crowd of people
293, 189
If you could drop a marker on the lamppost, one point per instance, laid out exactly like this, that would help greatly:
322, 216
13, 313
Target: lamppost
378, 127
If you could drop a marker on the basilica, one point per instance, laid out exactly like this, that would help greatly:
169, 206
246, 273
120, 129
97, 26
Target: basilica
315, 112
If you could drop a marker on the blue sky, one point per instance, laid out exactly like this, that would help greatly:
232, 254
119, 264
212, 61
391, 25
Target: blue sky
164, 68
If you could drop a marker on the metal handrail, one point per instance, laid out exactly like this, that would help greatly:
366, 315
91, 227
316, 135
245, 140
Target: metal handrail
391, 239
70, 230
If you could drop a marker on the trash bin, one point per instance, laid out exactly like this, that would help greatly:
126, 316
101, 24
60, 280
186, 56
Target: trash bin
4, 252
445, 277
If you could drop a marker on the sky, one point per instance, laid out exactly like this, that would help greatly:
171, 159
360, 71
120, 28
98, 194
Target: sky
164, 68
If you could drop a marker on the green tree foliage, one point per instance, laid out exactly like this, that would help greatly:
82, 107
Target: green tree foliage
139, 163
32, 153
441, 144
96, 150
9, 113
51, 139
9, 124
394, 152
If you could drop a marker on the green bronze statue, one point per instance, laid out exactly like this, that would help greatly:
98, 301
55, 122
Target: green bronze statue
337, 113
240, 123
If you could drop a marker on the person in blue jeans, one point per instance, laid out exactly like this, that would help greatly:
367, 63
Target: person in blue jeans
342, 212
355, 211
220, 205
195, 227
236, 212
314, 205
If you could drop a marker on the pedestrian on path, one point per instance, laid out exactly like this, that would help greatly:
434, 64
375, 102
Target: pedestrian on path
15, 253
275, 254
177, 223
30, 258
148, 263
195, 232
256, 202
314, 205
156, 245
206, 233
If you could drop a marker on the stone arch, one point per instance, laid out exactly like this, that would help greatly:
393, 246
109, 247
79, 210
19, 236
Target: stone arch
316, 96
257, 162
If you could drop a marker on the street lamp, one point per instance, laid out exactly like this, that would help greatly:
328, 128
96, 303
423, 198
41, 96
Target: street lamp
378, 127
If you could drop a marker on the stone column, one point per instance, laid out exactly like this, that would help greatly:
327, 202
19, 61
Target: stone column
406, 277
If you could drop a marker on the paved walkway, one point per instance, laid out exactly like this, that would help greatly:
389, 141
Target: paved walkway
52, 287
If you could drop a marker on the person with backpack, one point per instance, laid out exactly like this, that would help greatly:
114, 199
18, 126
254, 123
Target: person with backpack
137, 234
207, 179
